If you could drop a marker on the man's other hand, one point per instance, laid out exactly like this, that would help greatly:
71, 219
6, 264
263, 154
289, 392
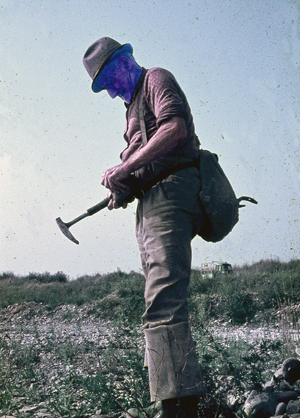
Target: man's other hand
113, 205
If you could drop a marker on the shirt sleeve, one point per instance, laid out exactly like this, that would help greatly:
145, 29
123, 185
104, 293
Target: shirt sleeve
164, 96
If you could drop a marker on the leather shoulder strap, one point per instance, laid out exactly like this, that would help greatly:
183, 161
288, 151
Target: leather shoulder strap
142, 119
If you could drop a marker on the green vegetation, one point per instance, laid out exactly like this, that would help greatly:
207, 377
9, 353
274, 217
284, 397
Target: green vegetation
119, 293
252, 293
78, 380
78, 377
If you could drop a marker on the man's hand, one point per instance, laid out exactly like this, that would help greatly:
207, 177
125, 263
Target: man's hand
113, 179
112, 204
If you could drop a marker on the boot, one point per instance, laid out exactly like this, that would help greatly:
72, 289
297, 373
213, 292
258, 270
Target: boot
186, 407
189, 406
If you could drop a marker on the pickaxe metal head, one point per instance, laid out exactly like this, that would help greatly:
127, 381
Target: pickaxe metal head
64, 227
127, 196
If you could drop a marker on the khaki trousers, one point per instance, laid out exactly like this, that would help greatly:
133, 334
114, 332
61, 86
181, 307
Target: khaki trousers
167, 219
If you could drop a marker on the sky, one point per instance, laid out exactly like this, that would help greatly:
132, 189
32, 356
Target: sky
238, 63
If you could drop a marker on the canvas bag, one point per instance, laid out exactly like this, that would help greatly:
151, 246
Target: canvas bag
217, 197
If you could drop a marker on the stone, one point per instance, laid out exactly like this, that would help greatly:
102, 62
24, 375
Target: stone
269, 386
276, 379
260, 405
42, 413
285, 396
287, 416
263, 405
100, 416
278, 375
291, 370
280, 409
7, 416
231, 400
293, 407
282, 386
152, 410
29, 409
135, 413
16, 393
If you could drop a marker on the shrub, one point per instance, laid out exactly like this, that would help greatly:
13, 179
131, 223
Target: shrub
240, 297
7, 275
59, 277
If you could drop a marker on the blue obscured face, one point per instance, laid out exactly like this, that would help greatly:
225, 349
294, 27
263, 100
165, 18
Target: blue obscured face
118, 78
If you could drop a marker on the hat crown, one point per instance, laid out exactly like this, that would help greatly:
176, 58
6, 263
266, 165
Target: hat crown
99, 53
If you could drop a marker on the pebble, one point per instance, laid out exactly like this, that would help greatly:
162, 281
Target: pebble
29, 409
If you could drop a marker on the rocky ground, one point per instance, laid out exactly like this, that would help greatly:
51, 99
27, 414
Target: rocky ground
49, 346
66, 340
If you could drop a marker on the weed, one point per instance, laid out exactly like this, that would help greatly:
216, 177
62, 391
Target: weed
83, 377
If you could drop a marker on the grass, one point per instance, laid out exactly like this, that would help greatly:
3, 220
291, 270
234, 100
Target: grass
56, 290
72, 377
252, 291
79, 380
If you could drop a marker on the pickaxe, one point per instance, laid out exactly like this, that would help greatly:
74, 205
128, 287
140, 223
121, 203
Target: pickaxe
119, 198
134, 191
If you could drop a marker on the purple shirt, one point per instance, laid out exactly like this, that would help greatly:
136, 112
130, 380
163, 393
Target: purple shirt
163, 99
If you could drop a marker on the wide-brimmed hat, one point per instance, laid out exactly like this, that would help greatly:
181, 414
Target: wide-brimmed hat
99, 54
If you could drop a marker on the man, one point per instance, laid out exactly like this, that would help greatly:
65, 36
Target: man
168, 216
